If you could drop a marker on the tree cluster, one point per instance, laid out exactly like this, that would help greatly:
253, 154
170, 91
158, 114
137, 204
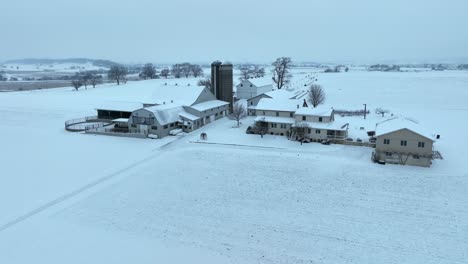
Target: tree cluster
186, 69
251, 71
281, 71
86, 78
148, 71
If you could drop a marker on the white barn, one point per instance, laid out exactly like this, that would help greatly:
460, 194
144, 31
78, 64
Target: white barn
253, 87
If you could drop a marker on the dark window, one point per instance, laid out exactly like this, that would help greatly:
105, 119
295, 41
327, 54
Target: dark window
277, 113
283, 125
133, 125
310, 130
251, 103
165, 126
172, 124
420, 144
290, 114
273, 125
388, 154
303, 118
263, 112
320, 119
154, 127
242, 85
250, 85
317, 131
386, 141
403, 143
415, 157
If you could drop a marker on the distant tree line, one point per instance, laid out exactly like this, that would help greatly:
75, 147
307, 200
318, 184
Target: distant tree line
186, 70
86, 78
249, 71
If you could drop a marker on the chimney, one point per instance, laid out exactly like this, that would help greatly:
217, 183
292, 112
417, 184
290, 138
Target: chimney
297, 106
305, 104
172, 101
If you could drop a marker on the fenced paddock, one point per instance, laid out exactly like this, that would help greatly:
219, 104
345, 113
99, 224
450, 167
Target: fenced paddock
85, 123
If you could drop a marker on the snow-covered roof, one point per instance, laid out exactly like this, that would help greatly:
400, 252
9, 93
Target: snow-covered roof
261, 81
188, 116
209, 105
133, 95
120, 106
328, 126
398, 123
278, 104
166, 114
318, 111
280, 94
275, 119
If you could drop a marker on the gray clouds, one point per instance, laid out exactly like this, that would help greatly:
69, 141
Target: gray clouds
203, 30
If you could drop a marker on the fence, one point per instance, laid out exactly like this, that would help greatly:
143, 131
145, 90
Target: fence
115, 132
351, 112
79, 124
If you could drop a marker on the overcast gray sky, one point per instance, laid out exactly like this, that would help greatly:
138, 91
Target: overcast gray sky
235, 30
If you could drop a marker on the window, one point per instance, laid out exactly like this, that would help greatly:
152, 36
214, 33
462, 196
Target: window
273, 125
403, 143
154, 127
133, 125
263, 112
388, 154
251, 103
277, 113
320, 119
283, 125
242, 85
290, 114
251, 86
386, 141
309, 130
303, 118
420, 144
317, 131
415, 157
165, 126
172, 124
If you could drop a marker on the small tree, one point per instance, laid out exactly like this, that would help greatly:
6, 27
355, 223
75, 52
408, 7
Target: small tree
238, 112
76, 84
205, 82
316, 94
117, 73
380, 111
148, 71
165, 73
95, 79
281, 75
186, 69
258, 72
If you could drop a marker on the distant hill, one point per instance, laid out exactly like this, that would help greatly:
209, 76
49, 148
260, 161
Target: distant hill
97, 63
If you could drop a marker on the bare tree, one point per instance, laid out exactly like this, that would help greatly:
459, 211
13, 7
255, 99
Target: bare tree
380, 111
196, 70
316, 94
205, 82
186, 69
165, 73
117, 73
76, 84
148, 71
238, 113
281, 75
95, 79
258, 72
176, 70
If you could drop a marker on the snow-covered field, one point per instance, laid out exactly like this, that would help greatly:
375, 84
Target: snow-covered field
237, 198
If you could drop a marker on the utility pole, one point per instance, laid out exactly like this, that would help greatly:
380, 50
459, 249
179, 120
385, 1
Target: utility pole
365, 110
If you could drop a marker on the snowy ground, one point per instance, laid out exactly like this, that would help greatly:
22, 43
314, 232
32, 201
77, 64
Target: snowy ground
237, 198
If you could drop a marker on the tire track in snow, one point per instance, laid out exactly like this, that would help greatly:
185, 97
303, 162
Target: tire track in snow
80, 190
